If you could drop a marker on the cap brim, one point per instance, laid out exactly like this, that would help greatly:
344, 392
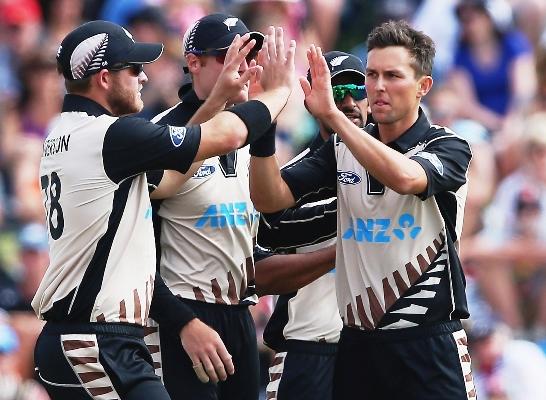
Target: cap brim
259, 37
144, 53
350, 71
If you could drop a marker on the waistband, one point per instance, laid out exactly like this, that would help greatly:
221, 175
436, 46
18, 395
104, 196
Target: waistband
412, 333
62, 328
307, 346
203, 305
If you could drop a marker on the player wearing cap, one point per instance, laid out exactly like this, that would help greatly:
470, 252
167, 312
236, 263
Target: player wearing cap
401, 187
207, 228
101, 284
305, 325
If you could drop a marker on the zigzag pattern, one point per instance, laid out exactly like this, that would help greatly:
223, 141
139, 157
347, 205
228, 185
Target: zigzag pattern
434, 261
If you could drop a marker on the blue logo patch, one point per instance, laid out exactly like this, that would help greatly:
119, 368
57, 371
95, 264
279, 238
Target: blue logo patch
381, 230
348, 178
204, 171
178, 133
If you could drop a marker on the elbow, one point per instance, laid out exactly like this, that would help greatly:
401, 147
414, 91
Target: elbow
408, 185
233, 135
262, 203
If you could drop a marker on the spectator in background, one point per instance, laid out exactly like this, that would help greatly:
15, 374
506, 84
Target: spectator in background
12, 385
17, 292
493, 71
445, 109
504, 368
512, 245
150, 24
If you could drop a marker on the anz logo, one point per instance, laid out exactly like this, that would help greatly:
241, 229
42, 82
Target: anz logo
348, 178
148, 213
381, 230
226, 215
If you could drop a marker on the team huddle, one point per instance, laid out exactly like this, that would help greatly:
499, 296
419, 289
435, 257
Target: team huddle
163, 233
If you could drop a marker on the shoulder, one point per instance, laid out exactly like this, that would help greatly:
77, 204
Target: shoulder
437, 134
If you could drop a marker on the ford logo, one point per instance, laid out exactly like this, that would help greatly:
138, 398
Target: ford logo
348, 178
204, 171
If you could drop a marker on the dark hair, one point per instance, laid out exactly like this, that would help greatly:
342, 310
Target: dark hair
76, 86
400, 33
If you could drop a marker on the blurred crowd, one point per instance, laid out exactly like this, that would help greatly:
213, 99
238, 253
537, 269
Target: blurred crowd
489, 87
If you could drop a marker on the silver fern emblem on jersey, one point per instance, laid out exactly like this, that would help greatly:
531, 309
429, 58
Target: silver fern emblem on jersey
433, 159
88, 55
229, 22
338, 60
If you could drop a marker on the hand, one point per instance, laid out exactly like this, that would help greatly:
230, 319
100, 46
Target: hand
229, 83
210, 358
318, 96
278, 64
255, 87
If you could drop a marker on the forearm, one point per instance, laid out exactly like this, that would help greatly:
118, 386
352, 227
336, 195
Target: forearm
391, 168
166, 309
212, 106
268, 191
286, 273
275, 100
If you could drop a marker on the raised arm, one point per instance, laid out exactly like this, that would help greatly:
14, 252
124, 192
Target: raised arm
246, 122
390, 167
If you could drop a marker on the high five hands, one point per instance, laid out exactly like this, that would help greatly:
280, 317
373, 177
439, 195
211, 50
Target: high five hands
318, 95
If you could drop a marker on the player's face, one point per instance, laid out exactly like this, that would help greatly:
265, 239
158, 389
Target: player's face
355, 110
124, 96
392, 85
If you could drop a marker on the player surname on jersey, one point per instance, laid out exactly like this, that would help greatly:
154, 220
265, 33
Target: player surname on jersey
56, 145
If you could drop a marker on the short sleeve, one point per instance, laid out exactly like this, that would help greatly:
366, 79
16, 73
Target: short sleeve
445, 161
134, 145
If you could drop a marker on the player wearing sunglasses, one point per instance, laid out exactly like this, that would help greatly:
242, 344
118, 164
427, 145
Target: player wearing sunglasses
305, 326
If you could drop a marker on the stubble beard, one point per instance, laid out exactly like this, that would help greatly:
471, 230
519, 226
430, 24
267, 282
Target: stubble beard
124, 101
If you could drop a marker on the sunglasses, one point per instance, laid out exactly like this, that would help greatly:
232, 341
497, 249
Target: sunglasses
357, 92
136, 69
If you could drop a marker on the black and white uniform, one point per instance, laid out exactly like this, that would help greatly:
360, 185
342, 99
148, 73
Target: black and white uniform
399, 282
96, 294
305, 325
206, 243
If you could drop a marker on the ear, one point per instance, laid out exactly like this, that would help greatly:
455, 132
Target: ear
193, 62
424, 85
103, 78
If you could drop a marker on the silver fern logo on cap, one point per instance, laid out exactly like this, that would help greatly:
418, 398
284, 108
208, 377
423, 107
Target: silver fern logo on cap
338, 60
229, 22
88, 55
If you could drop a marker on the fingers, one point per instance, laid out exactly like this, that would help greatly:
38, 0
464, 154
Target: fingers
291, 54
305, 86
200, 372
271, 43
279, 42
226, 359
210, 370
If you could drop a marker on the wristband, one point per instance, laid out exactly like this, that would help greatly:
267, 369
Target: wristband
265, 145
255, 115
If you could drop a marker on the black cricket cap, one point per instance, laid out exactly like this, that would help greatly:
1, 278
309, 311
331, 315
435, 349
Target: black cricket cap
340, 62
216, 32
100, 45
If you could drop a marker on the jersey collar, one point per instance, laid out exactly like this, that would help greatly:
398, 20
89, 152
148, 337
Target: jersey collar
191, 99
76, 103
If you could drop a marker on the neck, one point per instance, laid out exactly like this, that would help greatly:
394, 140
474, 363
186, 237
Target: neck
392, 131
